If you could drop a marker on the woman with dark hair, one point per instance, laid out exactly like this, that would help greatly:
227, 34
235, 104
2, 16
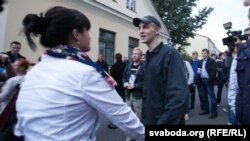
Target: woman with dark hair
61, 96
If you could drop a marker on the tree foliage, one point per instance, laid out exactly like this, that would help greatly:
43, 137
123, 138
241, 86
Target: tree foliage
179, 20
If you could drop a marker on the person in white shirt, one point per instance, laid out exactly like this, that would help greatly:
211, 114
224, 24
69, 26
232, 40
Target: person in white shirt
61, 96
20, 67
190, 81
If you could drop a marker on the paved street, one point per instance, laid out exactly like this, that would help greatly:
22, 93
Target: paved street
106, 134
222, 119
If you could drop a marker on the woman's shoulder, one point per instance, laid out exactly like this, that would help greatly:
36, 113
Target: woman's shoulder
15, 78
65, 64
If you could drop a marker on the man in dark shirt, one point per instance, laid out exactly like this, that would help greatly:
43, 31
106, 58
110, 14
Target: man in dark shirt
100, 61
133, 81
165, 89
208, 70
14, 54
116, 72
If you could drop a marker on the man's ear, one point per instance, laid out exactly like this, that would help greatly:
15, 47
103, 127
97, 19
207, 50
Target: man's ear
158, 30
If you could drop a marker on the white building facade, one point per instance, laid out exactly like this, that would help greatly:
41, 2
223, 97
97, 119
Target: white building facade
200, 42
111, 30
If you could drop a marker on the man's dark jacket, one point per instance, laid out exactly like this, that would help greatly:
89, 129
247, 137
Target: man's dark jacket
13, 58
103, 64
116, 72
242, 104
165, 90
211, 68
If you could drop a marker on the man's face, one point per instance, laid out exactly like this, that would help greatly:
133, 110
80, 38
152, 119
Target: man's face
136, 56
148, 32
222, 56
100, 56
195, 56
15, 48
204, 54
247, 33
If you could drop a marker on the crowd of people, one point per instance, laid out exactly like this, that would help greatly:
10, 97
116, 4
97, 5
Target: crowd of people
155, 88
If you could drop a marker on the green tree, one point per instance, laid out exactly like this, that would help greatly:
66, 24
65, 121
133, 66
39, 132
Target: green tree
179, 20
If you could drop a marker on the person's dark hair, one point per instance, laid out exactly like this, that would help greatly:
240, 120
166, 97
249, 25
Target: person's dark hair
15, 42
205, 50
118, 56
195, 52
55, 26
220, 54
23, 63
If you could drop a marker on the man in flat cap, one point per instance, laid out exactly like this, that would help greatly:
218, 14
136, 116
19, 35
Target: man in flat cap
165, 91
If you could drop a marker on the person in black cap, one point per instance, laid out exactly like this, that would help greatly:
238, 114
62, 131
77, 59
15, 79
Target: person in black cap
165, 91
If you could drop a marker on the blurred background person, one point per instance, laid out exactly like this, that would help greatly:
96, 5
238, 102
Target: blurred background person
116, 72
195, 62
190, 81
125, 60
233, 88
101, 62
7, 70
239, 86
133, 82
14, 54
208, 80
20, 67
222, 76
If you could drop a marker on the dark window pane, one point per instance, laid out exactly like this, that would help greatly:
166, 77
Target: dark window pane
110, 45
109, 36
133, 42
106, 45
102, 35
130, 5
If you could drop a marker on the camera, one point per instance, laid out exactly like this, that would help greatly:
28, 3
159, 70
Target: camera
232, 35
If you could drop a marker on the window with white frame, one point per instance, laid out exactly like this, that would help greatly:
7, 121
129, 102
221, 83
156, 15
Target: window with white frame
131, 5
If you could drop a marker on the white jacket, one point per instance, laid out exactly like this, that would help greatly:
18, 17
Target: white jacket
8, 90
60, 100
233, 88
190, 73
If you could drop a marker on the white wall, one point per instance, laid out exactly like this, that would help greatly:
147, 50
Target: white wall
3, 21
